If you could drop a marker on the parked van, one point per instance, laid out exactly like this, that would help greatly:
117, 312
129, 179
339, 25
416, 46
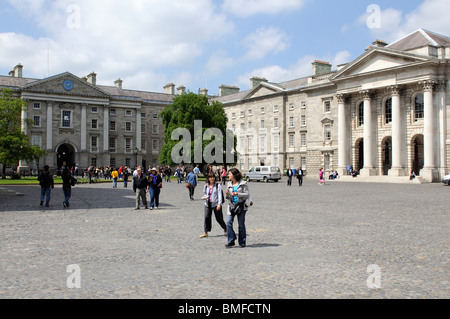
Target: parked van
264, 173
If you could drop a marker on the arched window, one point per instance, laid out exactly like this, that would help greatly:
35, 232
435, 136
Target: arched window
361, 114
418, 107
388, 111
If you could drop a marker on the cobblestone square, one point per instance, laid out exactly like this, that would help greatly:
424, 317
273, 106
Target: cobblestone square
303, 242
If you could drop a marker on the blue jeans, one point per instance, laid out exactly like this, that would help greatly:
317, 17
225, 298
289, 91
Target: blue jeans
45, 193
67, 194
154, 196
242, 231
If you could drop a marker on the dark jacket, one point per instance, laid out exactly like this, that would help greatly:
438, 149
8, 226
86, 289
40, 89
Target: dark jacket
154, 181
140, 182
66, 178
46, 180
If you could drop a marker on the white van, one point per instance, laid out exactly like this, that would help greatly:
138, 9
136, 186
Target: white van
264, 173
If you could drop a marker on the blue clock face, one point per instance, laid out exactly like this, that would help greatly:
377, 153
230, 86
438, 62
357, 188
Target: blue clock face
68, 85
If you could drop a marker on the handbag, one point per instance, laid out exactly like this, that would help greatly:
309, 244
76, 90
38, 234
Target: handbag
188, 185
236, 208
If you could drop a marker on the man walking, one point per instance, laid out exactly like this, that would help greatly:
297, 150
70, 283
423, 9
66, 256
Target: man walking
300, 176
46, 182
140, 187
290, 173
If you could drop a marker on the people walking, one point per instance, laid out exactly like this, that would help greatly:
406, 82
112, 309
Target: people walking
67, 186
223, 176
290, 173
237, 194
125, 174
213, 195
140, 187
115, 176
321, 177
47, 184
300, 176
191, 183
154, 188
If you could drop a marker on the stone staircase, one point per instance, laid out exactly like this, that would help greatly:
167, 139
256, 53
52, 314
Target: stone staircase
381, 179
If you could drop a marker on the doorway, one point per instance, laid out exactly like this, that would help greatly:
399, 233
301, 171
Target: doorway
417, 153
65, 156
386, 153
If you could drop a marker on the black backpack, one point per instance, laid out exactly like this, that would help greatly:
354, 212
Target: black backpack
223, 197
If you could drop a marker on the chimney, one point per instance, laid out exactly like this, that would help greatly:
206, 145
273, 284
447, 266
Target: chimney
204, 92
380, 44
17, 72
181, 90
169, 89
321, 67
118, 83
255, 81
92, 78
225, 90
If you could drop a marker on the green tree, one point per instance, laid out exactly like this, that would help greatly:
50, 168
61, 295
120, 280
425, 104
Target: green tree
182, 113
14, 143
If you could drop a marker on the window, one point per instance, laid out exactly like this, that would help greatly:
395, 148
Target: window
418, 107
291, 140
128, 113
275, 108
249, 125
263, 110
155, 116
303, 163
242, 114
66, 119
112, 162
233, 116
291, 107
155, 129
361, 114
36, 140
262, 144
233, 128
143, 115
128, 126
327, 162
128, 162
275, 122
303, 140
94, 161
327, 107
276, 142
388, 111
303, 105
303, 120
94, 141
37, 121
143, 128
241, 144
242, 127
37, 106
291, 162
250, 143
143, 144
250, 112
112, 112
94, 124
155, 145
128, 143
112, 125
94, 109
112, 145
327, 132
263, 124
291, 121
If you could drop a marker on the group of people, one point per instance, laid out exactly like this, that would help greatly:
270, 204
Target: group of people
299, 174
47, 183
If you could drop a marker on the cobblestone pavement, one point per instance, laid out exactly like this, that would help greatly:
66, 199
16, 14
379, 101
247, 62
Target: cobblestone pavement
309, 242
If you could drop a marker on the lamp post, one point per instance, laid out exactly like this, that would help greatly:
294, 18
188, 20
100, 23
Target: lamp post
136, 151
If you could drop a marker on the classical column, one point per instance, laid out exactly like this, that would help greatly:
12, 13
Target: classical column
138, 129
106, 129
49, 126
369, 146
343, 147
83, 127
442, 109
429, 173
397, 166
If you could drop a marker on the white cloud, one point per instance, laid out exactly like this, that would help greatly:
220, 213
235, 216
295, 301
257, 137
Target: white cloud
431, 15
247, 8
264, 41
218, 62
115, 38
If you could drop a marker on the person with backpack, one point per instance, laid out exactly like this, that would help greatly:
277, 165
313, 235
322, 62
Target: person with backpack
214, 200
47, 184
191, 183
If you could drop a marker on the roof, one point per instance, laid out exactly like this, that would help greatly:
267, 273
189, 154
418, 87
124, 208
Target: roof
420, 38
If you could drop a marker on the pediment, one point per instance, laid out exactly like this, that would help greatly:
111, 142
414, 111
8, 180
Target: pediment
378, 60
65, 84
263, 89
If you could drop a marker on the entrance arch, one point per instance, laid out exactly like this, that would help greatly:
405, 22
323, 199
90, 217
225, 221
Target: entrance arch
65, 155
386, 154
417, 153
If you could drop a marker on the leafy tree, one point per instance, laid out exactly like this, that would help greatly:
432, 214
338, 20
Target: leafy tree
14, 143
182, 114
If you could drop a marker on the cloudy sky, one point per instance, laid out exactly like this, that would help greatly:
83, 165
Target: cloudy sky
200, 43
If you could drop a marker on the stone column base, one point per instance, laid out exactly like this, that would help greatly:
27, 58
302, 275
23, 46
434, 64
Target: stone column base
429, 175
397, 171
368, 172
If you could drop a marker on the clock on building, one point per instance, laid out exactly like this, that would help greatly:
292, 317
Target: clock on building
68, 85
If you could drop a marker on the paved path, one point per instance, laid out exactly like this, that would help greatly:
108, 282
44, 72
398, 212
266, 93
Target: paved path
309, 242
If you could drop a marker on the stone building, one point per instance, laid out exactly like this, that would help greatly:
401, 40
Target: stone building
385, 113
80, 123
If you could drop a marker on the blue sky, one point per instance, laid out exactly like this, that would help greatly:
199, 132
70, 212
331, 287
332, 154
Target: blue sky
200, 43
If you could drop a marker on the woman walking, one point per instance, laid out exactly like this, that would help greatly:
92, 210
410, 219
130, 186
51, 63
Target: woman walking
237, 194
155, 184
214, 198
191, 183
321, 177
